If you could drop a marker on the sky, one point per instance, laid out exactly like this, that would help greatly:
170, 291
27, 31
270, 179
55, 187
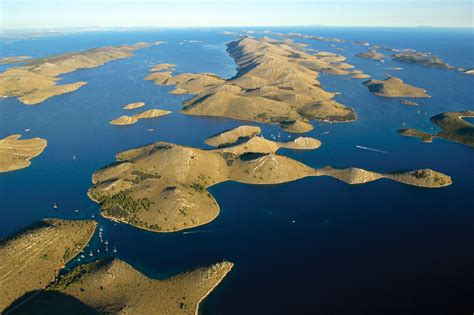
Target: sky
36, 14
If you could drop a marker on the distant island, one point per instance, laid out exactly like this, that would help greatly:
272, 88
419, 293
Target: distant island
16, 154
13, 59
394, 87
372, 54
422, 59
162, 187
454, 128
276, 83
35, 81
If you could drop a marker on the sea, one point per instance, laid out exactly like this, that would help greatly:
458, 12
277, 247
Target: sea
312, 246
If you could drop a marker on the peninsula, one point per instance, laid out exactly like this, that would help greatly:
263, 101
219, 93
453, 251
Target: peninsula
162, 187
394, 87
453, 128
16, 154
111, 286
31, 259
128, 120
276, 82
36, 81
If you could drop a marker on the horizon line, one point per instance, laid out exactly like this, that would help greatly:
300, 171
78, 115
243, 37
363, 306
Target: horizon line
2, 29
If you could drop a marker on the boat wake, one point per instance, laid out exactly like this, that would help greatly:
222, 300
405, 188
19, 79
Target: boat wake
371, 149
196, 232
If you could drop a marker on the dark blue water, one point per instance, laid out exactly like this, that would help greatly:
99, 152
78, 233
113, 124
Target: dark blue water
377, 248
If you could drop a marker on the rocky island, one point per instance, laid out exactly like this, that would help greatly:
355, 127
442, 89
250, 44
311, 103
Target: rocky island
16, 154
394, 87
276, 82
453, 128
162, 187
36, 81
372, 54
128, 120
422, 59
31, 259
13, 59
112, 286
134, 105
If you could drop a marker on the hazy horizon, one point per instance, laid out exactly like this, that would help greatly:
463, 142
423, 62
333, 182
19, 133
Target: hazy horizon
56, 14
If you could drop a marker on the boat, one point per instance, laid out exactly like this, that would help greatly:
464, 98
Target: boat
91, 254
114, 250
55, 206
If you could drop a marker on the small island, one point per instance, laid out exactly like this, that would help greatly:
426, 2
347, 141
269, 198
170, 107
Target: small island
111, 286
31, 259
36, 81
162, 187
469, 71
16, 154
134, 105
453, 128
162, 66
13, 59
357, 74
394, 87
276, 82
129, 120
372, 54
422, 59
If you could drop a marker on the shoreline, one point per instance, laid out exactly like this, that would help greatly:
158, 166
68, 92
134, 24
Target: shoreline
212, 289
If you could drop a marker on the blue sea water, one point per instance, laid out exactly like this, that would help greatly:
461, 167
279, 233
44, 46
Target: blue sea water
382, 247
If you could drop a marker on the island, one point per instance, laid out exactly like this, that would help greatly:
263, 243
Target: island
162, 187
394, 87
13, 59
16, 154
372, 54
162, 66
276, 82
111, 286
357, 74
31, 259
453, 128
422, 59
36, 81
128, 120
134, 105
